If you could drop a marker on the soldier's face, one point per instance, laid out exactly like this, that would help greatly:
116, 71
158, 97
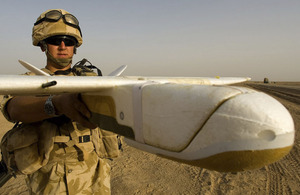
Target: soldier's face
61, 51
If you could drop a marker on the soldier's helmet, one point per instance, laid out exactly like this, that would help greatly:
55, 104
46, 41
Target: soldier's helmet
56, 22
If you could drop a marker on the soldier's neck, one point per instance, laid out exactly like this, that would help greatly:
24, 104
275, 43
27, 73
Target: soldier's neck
54, 67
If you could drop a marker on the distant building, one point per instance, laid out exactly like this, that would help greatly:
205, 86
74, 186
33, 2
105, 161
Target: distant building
266, 80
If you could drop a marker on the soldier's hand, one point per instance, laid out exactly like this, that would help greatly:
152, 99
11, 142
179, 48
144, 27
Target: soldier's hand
71, 106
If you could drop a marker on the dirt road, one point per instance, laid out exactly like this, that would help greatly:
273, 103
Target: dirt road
137, 172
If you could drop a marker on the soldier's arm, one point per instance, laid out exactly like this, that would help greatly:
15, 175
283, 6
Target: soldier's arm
29, 109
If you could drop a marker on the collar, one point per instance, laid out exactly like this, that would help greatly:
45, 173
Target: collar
63, 72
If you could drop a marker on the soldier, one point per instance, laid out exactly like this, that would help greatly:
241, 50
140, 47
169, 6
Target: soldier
73, 166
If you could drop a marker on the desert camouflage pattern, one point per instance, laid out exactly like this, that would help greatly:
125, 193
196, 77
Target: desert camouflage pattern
73, 168
47, 29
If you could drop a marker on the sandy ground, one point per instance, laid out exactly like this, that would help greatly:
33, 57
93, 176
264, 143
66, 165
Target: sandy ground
137, 172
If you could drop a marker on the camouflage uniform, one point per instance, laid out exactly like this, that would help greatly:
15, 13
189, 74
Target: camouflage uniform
72, 169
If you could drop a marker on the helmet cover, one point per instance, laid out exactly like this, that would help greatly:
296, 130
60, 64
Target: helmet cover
46, 29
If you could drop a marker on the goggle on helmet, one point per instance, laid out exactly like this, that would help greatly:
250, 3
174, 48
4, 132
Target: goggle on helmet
56, 22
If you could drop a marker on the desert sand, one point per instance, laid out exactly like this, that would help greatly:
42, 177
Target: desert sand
138, 172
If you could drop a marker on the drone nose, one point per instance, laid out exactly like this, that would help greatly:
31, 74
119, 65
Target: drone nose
248, 131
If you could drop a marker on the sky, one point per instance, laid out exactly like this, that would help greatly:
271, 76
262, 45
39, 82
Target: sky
193, 38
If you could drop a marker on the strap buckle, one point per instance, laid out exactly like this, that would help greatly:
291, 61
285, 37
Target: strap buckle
85, 138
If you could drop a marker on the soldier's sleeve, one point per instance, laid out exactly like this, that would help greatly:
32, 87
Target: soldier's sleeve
3, 107
7, 98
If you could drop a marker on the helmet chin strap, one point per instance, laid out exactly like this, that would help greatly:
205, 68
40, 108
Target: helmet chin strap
62, 62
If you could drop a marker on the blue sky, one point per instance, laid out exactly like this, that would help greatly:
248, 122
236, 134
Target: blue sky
254, 38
